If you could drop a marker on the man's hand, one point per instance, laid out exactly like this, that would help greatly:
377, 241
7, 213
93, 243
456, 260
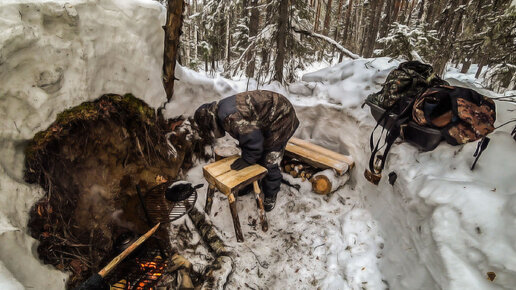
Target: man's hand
240, 163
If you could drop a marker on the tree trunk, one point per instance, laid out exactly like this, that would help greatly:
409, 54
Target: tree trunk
480, 67
387, 20
465, 67
172, 29
228, 41
280, 40
339, 21
367, 24
195, 32
327, 18
348, 23
398, 10
253, 31
317, 16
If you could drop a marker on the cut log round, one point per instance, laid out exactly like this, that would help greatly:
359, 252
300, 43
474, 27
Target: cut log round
225, 151
326, 181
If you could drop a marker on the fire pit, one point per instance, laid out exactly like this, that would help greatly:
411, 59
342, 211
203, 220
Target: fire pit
143, 269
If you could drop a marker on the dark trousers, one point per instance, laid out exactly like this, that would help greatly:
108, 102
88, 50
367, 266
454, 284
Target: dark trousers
271, 160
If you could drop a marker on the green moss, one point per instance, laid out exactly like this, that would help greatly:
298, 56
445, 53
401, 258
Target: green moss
128, 105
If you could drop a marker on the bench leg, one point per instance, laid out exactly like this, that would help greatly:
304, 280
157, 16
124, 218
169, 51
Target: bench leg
259, 204
209, 199
234, 215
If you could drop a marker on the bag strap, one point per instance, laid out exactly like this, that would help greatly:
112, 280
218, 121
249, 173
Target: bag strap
481, 146
393, 132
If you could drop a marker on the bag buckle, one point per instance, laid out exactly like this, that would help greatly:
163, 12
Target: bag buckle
374, 178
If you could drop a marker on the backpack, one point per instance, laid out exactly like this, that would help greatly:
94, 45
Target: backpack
403, 84
462, 115
395, 100
424, 112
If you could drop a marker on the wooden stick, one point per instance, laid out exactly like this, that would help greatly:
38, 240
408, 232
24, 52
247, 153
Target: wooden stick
209, 199
234, 215
127, 252
261, 208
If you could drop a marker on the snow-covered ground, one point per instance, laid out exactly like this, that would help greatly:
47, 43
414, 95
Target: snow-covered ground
440, 225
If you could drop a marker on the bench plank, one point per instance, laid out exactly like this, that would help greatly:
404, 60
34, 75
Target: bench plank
227, 180
220, 167
323, 151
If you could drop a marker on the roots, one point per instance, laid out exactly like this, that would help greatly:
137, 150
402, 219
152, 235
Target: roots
89, 162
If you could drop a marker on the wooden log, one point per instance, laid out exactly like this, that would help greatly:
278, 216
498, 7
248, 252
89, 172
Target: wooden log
218, 272
207, 232
109, 267
172, 29
261, 208
234, 215
225, 151
209, 199
327, 181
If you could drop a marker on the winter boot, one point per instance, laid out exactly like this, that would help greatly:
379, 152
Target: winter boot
269, 202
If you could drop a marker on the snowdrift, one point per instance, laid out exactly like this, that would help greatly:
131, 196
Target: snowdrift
444, 226
55, 55
440, 225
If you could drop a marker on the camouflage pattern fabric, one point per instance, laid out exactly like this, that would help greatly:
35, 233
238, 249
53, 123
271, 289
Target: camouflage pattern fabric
463, 114
261, 121
268, 111
406, 82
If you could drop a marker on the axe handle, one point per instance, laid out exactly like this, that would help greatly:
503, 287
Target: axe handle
127, 252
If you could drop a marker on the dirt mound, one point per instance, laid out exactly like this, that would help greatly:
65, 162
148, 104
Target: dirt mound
89, 162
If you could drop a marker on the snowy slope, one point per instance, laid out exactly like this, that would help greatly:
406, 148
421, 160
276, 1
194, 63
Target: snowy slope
443, 226
439, 226
54, 55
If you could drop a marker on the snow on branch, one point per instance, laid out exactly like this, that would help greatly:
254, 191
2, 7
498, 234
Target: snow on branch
327, 39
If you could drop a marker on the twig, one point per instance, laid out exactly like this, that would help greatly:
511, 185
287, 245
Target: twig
264, 265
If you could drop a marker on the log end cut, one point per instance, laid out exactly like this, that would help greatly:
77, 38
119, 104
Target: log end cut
321, 184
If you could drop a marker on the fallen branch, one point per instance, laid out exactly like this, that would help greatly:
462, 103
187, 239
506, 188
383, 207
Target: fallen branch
218, 272
327, 39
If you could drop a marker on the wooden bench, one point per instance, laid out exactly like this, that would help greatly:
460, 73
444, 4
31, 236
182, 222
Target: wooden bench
318, 156
220, 176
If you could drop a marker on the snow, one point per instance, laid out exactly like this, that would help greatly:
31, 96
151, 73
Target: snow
54, 55
440, 226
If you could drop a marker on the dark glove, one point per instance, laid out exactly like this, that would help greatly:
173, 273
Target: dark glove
240, 163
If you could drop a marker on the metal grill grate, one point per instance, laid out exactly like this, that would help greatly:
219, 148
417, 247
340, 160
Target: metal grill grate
141, 270
162, 210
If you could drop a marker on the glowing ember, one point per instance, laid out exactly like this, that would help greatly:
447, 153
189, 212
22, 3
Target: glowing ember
153, 271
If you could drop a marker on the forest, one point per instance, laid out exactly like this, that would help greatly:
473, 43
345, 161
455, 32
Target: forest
257, 144
272, 40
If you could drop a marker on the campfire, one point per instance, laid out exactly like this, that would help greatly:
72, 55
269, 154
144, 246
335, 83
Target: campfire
142, 270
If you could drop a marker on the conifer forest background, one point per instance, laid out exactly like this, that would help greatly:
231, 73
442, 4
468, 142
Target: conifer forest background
276, 39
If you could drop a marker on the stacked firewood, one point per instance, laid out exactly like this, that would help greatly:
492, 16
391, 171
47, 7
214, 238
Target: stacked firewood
323, 181
299, 170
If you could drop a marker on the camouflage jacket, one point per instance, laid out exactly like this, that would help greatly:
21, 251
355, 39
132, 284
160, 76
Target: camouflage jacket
403, 84
259, 120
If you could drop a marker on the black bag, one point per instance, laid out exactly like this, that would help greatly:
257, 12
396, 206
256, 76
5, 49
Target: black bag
396, 98
462, 115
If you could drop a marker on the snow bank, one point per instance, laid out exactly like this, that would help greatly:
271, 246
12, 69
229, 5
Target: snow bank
54, 55
444, 225
439, 226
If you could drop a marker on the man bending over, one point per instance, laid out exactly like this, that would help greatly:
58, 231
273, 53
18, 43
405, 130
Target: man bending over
262, 122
